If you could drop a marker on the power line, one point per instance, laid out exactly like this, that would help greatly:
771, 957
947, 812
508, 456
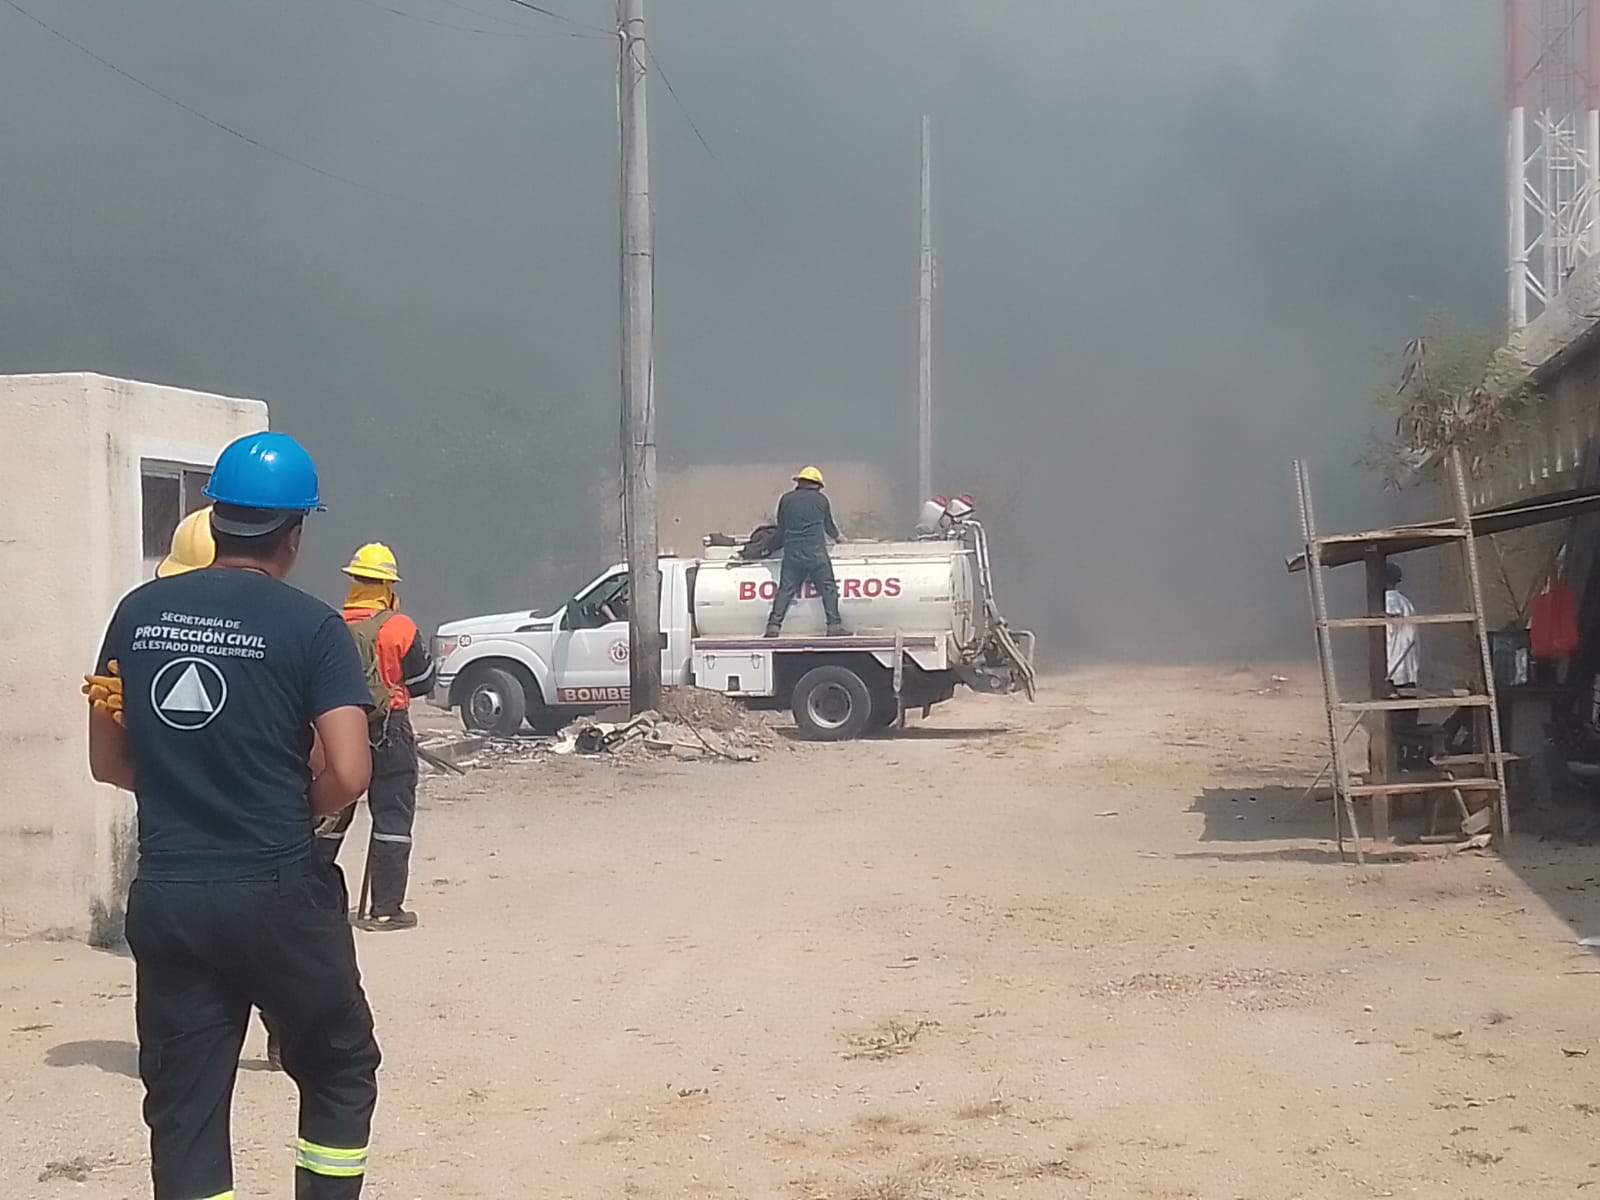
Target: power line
545, 12
673, 92
476, 12
508, 33
173, 100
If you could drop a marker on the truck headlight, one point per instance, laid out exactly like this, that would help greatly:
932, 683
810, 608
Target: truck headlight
444, 647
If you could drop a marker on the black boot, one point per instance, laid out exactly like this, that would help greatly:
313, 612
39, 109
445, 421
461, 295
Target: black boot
398, 919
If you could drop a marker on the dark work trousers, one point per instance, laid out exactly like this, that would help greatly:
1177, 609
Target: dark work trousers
392, 801
799, 567
205, 954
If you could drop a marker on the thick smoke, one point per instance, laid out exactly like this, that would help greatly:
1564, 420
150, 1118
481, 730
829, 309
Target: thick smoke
1174, 242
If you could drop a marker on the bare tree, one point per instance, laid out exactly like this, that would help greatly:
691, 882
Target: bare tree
1455, 387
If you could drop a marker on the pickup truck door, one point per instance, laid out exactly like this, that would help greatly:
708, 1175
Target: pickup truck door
590, 659
676, 649
591, 650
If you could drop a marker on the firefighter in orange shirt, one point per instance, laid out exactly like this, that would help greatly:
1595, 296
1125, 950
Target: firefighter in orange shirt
399, 669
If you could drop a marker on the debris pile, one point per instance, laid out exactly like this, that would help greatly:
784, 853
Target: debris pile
457, 753
694, 724
708, 710
650, 733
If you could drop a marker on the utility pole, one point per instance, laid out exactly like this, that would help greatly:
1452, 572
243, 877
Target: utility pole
638, 369
925, 328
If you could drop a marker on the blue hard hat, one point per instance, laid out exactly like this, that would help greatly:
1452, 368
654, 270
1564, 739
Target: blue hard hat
269, 471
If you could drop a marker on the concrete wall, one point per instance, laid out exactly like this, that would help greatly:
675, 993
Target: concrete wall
70, 548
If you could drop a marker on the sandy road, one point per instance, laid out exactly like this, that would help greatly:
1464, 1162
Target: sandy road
1098, 947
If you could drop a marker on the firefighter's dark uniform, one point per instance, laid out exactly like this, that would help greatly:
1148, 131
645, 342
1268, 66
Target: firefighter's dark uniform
224, 673
406, 668
805, 523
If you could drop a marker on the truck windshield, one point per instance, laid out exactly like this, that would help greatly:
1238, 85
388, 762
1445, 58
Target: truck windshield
553, 599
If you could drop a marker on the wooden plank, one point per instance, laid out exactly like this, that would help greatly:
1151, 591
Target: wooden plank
1342, 549
1425, 785
1413, 703
1397, 534
1419, 619
1473, 760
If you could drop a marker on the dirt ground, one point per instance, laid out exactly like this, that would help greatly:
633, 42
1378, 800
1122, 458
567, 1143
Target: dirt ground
1099, 947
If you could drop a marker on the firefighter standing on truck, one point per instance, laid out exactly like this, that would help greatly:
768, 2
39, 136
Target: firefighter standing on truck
398, 668
805, 523
210, 688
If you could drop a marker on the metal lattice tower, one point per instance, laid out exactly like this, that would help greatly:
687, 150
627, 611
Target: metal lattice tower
1553, 147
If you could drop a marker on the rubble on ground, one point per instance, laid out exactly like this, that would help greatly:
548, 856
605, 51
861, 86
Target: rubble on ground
1263, 685
694, 725
457, 753
705, 709
651, 733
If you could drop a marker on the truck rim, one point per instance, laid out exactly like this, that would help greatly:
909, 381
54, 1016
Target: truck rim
487, 704
828, 705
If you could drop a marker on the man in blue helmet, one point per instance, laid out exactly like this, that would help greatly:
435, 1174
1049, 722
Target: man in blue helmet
228, 676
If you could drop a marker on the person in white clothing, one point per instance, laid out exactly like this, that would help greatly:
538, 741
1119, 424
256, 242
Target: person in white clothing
1404, 657
1404, 650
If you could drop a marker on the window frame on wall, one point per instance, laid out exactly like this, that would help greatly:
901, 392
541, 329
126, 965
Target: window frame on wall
183, 498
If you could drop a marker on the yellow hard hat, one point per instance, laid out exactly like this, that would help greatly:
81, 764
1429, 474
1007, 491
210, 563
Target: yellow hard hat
809, 475
192, 545
373, 561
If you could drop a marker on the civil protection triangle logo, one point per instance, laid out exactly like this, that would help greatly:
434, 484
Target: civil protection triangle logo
188, 693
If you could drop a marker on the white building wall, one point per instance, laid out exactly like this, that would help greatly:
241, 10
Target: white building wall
70, 548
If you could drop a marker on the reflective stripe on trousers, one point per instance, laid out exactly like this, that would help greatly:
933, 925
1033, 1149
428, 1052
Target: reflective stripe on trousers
205, 953
330, 1161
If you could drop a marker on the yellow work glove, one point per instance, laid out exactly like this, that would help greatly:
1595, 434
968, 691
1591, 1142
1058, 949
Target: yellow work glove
105, 692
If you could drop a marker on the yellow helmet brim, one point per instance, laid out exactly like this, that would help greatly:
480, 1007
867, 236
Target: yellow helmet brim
373, 574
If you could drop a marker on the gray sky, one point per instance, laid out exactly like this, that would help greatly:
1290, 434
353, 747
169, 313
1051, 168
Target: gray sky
1175, 241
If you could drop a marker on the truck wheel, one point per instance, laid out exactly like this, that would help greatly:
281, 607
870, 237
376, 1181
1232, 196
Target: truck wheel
493, 702
885, 710
832, 704
547, 722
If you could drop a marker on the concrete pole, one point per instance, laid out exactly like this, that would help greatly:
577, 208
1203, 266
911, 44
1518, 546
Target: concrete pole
638, 369
925, 328
1516, 168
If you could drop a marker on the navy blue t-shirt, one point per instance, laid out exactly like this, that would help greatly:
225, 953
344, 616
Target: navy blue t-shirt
805, 519
223, 673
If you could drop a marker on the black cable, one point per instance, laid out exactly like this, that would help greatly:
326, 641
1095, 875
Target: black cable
509, 33
173, 100
545, 12
673, 92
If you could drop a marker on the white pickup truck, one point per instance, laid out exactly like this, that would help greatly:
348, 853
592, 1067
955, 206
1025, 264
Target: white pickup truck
921, 614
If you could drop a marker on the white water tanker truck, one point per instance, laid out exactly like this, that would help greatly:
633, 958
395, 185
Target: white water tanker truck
921, 614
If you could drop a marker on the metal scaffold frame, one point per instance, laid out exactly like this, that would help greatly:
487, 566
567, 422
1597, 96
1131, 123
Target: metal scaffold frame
1552, 148
1481, 772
